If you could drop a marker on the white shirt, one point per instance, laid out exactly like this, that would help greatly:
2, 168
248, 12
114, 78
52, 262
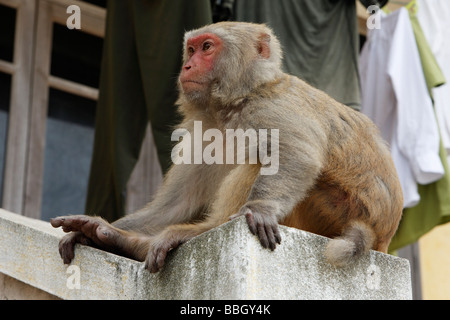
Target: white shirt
434, 18
396, 98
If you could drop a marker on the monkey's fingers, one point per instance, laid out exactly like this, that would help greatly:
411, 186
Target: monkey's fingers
67, 245
159, 248
277, 234
88, 225
273, 235
251, 222
155, 259
263, 236
66, 248
268, 234
69, 223
265, 227
248, 214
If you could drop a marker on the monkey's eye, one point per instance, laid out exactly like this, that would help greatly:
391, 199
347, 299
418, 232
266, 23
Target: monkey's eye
191, 51
206, 46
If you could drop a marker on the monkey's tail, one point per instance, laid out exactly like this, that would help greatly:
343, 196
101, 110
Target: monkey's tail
357, 239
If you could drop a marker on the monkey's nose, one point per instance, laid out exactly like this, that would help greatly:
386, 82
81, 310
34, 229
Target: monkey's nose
187, 67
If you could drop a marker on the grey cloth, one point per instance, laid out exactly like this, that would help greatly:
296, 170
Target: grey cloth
138, 83
320, 41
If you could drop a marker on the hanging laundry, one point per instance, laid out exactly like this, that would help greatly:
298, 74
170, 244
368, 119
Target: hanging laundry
434, 206
395, 97
434, 17
319, 38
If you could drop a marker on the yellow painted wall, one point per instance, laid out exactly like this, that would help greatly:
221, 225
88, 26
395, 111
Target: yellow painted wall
435, 263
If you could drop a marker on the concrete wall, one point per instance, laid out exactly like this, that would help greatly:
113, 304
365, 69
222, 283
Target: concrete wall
224, 263
13, 289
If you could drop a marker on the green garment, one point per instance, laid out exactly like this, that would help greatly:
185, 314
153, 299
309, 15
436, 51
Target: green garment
141, 61
320, 41
434, 206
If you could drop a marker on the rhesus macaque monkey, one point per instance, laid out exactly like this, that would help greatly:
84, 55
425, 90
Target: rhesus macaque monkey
335, 176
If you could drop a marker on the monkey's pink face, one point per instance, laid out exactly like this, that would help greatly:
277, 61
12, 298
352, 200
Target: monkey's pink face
202, 52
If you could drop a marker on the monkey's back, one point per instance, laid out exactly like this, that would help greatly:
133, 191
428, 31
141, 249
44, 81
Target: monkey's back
358, 180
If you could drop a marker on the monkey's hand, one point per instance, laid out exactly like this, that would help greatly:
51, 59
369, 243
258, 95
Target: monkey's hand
263, 225
86, 230
67, 245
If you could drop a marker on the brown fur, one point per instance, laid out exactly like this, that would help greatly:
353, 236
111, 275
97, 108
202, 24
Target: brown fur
336, 177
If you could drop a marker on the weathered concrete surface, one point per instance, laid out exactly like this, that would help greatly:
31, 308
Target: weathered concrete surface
13, 289
225, 263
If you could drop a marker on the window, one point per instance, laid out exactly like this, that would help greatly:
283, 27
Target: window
7, 31
68, 151
5, 90
47, 121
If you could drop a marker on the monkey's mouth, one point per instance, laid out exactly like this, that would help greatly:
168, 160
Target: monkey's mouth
192, 86
191, 81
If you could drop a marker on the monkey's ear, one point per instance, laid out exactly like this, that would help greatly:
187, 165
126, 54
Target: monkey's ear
264, 45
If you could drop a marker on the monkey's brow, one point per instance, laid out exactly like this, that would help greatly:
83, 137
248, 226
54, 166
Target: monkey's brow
200, 39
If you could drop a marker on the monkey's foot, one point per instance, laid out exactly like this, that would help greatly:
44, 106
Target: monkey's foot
265, 226
88, 231
157, 253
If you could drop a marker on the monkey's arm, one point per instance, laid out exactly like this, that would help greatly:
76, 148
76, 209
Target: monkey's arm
273, 196
176, 202
180, 199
